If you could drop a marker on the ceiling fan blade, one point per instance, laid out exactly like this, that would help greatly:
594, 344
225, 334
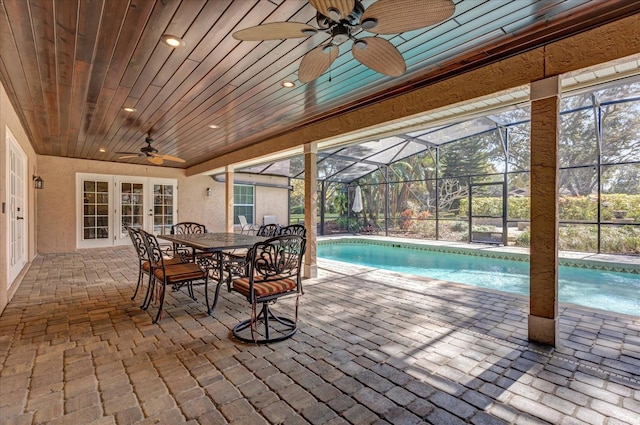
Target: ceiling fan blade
130, 153
169, 158
155, 160
129, 156
316, 62
275, 31
334, 9
396, 16
379, 55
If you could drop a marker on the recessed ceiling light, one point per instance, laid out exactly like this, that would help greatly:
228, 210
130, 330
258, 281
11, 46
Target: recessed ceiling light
172, 40
102, 150
288, 84
128, 109
214, 126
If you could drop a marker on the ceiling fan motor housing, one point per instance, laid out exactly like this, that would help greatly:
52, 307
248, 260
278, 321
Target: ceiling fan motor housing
352, 19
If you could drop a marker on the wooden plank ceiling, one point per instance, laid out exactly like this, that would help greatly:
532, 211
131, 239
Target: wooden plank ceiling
71, 66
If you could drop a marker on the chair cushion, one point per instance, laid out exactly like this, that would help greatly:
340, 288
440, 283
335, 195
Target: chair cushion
167, 262
262, 289
179, 272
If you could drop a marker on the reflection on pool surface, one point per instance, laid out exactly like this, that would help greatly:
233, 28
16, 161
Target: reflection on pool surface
612, 291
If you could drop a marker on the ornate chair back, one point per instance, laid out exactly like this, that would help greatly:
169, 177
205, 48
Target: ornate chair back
294, 229
268, 230
188, 228
185, 228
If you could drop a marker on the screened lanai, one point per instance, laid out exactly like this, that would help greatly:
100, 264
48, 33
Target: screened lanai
467, 179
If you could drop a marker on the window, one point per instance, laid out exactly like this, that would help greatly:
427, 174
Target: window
243, 202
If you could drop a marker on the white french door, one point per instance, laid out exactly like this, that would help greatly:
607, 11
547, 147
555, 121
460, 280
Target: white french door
108, 204
17, 209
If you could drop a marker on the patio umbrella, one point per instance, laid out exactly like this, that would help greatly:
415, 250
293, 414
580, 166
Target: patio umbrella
357, 201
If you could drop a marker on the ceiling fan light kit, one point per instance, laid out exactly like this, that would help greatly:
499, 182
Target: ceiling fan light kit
343, 20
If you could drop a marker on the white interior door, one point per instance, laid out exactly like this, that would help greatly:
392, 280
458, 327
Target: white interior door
17, 209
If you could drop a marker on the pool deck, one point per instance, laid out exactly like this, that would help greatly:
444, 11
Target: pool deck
374, 347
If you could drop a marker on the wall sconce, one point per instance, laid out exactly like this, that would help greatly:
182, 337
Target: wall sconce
38, 183
209, 191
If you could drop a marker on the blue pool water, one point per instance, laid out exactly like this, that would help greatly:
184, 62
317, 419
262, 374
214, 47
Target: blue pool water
611, 291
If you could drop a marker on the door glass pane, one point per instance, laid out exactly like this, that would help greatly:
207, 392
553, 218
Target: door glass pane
95, 210
162, 208
132, 198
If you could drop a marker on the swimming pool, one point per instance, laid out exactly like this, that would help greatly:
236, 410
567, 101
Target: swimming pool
607, 290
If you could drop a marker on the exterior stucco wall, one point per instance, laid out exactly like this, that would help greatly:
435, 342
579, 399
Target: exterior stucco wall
56, 207
9, 119
195, 205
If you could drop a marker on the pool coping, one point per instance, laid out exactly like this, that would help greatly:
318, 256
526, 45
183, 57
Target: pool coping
605, 262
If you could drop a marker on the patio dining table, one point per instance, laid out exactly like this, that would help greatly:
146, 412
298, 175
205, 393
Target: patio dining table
214, 243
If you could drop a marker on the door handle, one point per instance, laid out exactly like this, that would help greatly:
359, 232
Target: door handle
20, 218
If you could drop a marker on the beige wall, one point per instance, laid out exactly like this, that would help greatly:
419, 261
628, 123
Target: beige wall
56, 203
56, 209
9, 119
195, 205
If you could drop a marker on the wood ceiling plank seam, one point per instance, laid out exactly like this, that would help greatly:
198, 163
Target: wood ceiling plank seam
88, 26
65, 46
19, 20
209, 97
236, 12
186, 16
153, 31
206, 68
146, 110
131, 33
213, 52
13, 78
115, 109
101, 107
111, 22
203, 22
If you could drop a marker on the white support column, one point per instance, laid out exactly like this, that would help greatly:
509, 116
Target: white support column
311, 208
543, 273
228, 189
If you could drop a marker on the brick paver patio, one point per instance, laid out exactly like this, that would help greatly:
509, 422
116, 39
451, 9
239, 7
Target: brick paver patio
373, 347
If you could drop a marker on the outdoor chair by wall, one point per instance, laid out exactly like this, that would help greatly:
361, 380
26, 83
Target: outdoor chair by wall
294, 229
273, 271
164, 275
268, 230
144, 265
244, 226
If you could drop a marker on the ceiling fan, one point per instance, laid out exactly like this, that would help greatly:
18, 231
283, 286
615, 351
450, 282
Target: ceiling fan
150, 153
343, 19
